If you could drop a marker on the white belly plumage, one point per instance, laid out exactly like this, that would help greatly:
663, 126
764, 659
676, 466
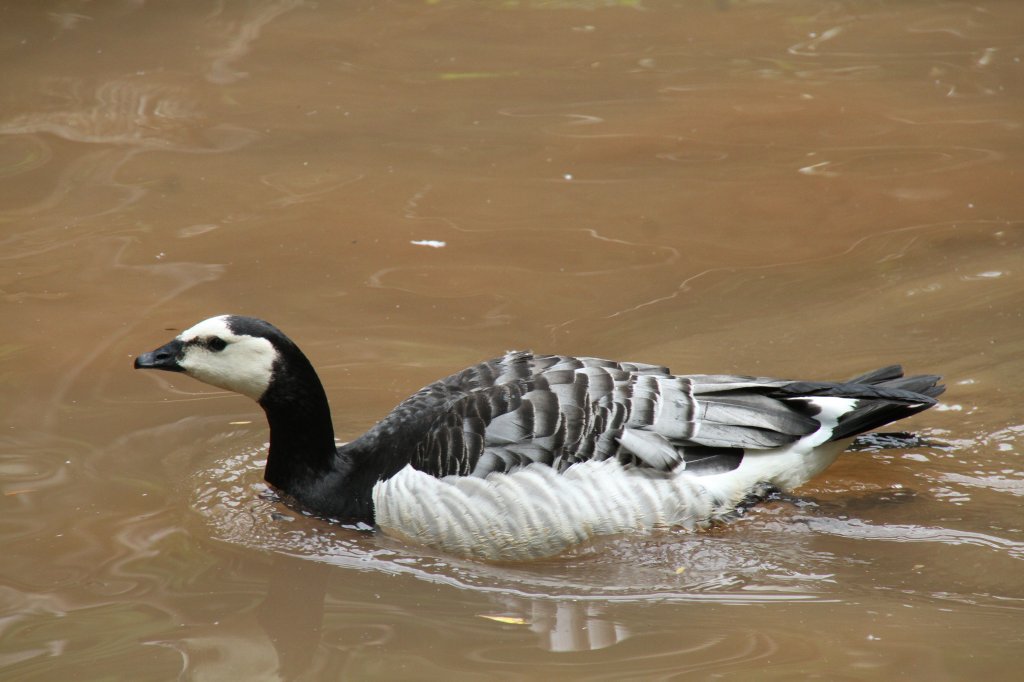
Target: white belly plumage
535, 512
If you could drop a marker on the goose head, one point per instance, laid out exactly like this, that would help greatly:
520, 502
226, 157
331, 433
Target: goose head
254, 358
240, 354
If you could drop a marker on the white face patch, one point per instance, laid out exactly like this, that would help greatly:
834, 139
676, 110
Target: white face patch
217, 356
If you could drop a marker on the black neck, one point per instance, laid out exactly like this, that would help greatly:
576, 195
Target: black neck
302, 449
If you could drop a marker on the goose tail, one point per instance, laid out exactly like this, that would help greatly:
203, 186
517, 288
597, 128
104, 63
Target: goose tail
844, 411
896, 397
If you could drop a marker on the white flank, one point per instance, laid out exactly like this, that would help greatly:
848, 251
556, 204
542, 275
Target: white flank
244, 366
787, 467
535, 512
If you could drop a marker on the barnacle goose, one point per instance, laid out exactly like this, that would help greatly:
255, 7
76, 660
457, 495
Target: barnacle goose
525, 455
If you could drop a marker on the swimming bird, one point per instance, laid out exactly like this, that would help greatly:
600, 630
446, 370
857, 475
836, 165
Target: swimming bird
525, 455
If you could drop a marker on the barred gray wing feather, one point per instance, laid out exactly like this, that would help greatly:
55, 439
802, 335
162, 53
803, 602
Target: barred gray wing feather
558, 410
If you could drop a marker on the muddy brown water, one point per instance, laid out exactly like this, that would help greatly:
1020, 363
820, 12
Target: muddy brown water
791, 188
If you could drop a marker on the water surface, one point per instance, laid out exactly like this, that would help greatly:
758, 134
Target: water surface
784, 188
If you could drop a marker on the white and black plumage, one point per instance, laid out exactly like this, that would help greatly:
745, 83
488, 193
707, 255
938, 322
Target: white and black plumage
526, 455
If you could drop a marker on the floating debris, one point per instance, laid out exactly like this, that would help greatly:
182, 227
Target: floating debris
508, 620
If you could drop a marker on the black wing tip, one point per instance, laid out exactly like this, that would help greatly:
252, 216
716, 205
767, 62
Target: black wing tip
887, 401
934, 389
923, 388
886, 383
887, 373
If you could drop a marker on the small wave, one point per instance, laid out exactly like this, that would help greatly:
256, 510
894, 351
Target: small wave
674, 566
855, 528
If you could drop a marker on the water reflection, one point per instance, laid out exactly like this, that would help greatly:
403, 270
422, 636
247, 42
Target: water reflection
772, 556
568, 604
283, 635
613, 178
676, 566
562, 625
240, 35
293, 611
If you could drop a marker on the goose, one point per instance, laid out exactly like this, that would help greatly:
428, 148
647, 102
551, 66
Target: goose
525, 456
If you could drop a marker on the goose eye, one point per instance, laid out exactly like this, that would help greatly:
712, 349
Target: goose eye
216, 344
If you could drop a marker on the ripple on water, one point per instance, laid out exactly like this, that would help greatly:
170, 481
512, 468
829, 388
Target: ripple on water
710, 566
881, 162
762, 558
821, 546
21, 154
